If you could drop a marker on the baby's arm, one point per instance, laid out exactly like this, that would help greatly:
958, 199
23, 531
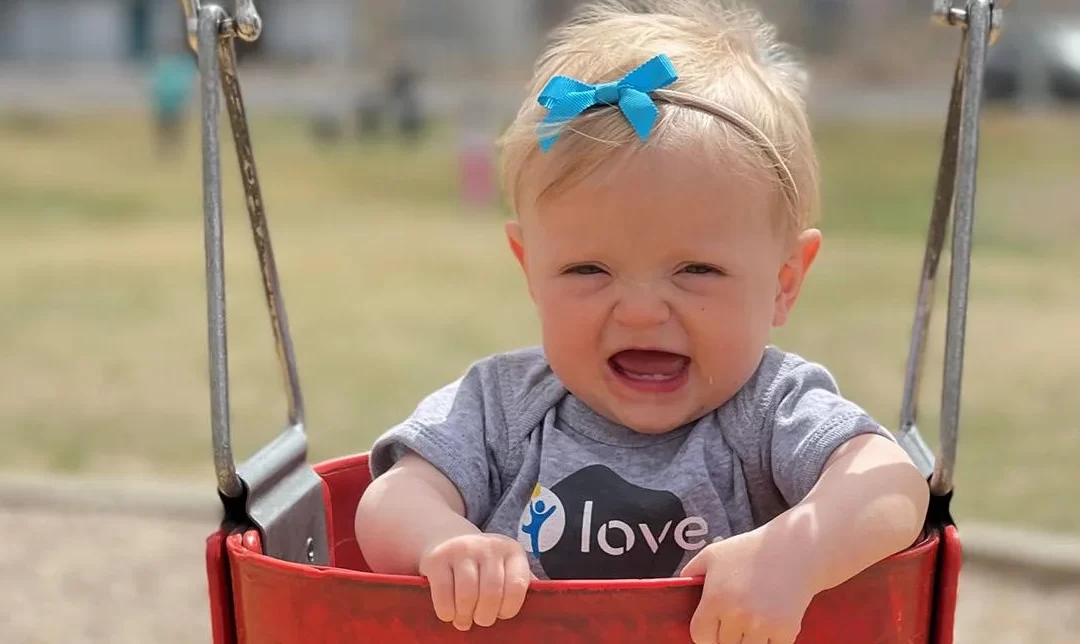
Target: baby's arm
407, 511
411, 520
868, 504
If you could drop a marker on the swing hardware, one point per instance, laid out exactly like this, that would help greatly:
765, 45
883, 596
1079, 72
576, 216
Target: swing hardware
247, 24
954, 195
953, 13
275, 490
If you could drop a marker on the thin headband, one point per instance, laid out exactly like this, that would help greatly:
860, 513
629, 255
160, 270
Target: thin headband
566, 98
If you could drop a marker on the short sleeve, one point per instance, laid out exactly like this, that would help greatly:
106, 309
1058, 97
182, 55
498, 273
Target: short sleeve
457, 429
808, 420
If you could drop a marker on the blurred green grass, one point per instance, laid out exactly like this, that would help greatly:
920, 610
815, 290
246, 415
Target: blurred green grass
393, 287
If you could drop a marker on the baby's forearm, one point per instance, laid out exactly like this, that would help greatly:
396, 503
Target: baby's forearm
868, 504
406, 512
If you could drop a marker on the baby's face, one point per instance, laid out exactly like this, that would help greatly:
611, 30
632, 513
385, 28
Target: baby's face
657, 284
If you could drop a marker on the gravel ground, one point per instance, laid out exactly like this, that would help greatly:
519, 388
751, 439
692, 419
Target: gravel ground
119, 580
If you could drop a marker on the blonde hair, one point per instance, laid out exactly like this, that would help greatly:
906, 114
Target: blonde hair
739, 95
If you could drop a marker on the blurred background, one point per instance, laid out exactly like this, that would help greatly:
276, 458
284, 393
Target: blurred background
373, 123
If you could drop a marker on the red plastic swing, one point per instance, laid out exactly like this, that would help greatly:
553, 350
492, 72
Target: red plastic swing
285, 567
256, 598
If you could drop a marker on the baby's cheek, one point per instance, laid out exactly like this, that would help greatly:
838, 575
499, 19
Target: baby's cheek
725, 357
556, 313
567, 348
570, 322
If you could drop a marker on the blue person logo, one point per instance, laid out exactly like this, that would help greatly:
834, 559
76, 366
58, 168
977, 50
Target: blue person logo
542, 521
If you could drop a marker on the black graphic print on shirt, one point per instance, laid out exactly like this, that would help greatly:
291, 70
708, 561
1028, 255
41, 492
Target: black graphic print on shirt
594, 524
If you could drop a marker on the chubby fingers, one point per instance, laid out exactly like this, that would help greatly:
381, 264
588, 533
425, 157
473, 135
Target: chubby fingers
441, 580
489, 601
466, 593
731, 631
516, 579
477, 583
705, 624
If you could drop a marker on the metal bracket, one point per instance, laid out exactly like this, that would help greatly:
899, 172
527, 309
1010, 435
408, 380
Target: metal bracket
912, 442
285, 500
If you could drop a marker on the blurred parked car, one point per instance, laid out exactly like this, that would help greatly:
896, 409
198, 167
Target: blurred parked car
1035, 60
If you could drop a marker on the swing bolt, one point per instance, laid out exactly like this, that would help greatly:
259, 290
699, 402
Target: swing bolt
248, 24
245, 22
951, 13
945, 13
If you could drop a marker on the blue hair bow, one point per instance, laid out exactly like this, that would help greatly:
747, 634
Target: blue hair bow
566, 98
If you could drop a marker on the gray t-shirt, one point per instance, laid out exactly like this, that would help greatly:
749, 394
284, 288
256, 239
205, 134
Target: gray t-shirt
590, 499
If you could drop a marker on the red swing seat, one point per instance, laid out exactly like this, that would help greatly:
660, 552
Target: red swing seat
907, 598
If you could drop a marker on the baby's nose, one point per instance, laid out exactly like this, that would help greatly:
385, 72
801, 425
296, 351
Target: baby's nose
640, 305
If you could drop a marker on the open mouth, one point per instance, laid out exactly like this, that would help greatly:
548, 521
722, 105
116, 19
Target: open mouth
650, 370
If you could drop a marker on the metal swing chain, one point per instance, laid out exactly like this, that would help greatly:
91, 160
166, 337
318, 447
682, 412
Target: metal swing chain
954, 194
275, 489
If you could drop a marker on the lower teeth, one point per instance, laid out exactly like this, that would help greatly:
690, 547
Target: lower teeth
648, 376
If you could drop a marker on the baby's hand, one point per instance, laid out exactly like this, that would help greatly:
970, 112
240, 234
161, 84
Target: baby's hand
476, 578
754, 592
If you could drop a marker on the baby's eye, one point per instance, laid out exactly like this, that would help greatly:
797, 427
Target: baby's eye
584, 269
701, 269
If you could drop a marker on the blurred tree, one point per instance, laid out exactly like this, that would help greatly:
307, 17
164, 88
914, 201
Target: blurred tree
550, 13
379, 47
825, 25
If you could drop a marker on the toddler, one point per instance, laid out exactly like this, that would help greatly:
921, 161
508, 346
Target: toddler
664, 184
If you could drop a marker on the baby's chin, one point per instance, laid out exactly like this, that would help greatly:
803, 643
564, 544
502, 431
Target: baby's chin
655, 419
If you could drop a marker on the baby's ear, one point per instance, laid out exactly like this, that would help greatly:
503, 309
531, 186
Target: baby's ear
793, 273
516, 237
